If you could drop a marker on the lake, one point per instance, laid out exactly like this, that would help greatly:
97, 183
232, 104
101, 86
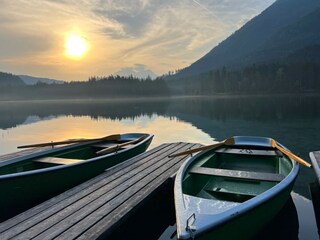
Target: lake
294, 121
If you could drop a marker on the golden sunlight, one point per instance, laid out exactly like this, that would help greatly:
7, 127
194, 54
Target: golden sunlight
76, 46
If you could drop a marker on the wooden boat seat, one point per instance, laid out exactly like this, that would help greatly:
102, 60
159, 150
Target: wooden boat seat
103, 145
114, 148
257, 176
235, 196
108, 145
256, 152
58, 161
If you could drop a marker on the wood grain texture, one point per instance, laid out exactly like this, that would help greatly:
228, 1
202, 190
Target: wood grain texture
94, 208
257, 176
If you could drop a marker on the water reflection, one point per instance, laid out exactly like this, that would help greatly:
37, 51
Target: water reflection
293, 121
13, 114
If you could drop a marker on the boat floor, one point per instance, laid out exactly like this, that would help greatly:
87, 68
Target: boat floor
234, 178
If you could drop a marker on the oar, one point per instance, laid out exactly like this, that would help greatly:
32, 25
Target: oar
289, 154
111, 138
117, 146
228, 141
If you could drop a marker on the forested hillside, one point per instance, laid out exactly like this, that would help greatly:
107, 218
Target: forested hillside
10, 80
95, 87
276, 52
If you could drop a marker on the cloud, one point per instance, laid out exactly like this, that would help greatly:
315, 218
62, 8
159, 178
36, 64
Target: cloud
134, 16
161, 34
179, 32
23, 44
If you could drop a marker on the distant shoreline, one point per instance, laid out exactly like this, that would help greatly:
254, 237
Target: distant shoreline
161, 98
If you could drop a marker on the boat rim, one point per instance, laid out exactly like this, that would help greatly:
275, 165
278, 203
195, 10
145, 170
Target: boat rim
55, 168
230, 213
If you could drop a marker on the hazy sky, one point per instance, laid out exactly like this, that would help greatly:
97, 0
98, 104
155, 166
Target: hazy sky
162, 35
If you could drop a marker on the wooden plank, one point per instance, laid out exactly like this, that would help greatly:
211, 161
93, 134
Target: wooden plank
317, 156
315, 196
256, 152
21, 218
32, 153
235, 195
315, 162
105, 226
257, 176
22, 153
109, 144
24, 225
110, 213
21, 222
103, 145
58, 161
72, 192
116, 147
106, 200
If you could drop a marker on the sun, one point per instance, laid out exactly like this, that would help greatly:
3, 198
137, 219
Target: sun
76, 46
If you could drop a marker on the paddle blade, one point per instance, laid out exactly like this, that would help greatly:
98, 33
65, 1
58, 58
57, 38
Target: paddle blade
290, 154
108, 150
117, 146
229, 141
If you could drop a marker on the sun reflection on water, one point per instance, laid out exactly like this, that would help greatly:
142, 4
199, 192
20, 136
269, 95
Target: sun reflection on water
165, 130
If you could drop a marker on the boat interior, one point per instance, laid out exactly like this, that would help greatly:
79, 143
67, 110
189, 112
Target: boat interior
69, 156
234, 174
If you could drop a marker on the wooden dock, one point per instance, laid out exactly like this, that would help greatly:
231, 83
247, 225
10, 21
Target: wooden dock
315, 162
315, 186
94, 209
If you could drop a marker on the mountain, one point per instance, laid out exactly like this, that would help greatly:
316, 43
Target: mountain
285, 28
138, 70
29, 80
8, 79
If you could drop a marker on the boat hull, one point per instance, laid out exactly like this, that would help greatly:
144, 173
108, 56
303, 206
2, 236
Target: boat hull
246, 225
22, 191
232, 192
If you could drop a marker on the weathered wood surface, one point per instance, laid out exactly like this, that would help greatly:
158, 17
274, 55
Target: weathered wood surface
316, 156
59, 161
315, 162
93, 209
314, 187
258, 176
22, 153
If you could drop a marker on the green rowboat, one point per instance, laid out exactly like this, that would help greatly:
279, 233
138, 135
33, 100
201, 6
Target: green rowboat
232, 191
28, 180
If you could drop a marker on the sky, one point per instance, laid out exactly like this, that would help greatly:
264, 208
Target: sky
157, 35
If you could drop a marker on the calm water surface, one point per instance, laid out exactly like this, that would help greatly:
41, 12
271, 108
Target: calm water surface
293, 121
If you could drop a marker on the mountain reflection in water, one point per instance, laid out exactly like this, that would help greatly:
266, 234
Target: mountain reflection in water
293, 121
